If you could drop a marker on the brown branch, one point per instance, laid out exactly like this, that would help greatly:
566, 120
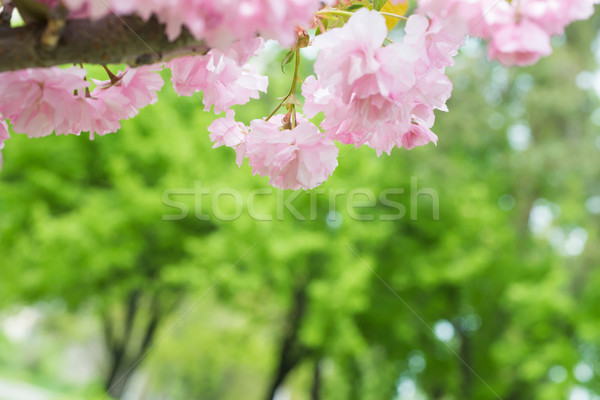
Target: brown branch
6, 13
54, 29
111, 40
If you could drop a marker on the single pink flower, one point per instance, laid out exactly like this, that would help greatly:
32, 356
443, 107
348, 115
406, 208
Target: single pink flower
520, 44
102, 113
465, 16
418, 135
38, 100
224, 78
353, 62
363, 88
139, 85
292, 159
228, 132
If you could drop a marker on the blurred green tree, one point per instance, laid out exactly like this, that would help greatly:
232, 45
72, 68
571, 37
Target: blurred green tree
84, 225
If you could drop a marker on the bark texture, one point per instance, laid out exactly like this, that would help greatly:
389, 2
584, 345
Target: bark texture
111, 40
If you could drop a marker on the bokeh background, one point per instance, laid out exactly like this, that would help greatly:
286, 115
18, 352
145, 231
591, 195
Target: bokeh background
498, 297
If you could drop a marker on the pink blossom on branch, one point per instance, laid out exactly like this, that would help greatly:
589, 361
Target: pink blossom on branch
520, 44
371, 94
372, 91
228, 132
519, 31
418, 135
298, 158
111, 102
41, 101
37, 101
225, 78
218, 22
360, 80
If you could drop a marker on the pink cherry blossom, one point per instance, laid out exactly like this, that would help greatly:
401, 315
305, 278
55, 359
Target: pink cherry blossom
580, 9
418, 135
218, 22
224, 78
466, 16
140, 86
519, 31
110, 103
371, 93
300, 158
353, 60
436, 46
520, 44
363, 89
38, 100
228, 132
553, 16
101, 115
436, 42
42, 101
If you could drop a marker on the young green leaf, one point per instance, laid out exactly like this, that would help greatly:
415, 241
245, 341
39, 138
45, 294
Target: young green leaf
289, 57
378, 4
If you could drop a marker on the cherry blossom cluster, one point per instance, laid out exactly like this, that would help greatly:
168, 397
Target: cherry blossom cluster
371, 94
518, 31
375, 95
41, 101
299, 158
225, 78
218, 22
371, 90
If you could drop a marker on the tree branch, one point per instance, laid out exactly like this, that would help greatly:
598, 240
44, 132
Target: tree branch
6, 13
111, 40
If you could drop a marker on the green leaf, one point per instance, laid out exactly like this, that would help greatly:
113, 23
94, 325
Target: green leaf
378, 4
289, 57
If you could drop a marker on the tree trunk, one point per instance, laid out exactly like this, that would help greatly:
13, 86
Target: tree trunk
466, 372
292, 351
119, 377
355, 379
317, 382
125, 358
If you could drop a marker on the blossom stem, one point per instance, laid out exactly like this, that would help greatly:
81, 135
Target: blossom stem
296, 72
294, 85
277, 109
292, 91
113, 78
386, 14
335, 12
349, 14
